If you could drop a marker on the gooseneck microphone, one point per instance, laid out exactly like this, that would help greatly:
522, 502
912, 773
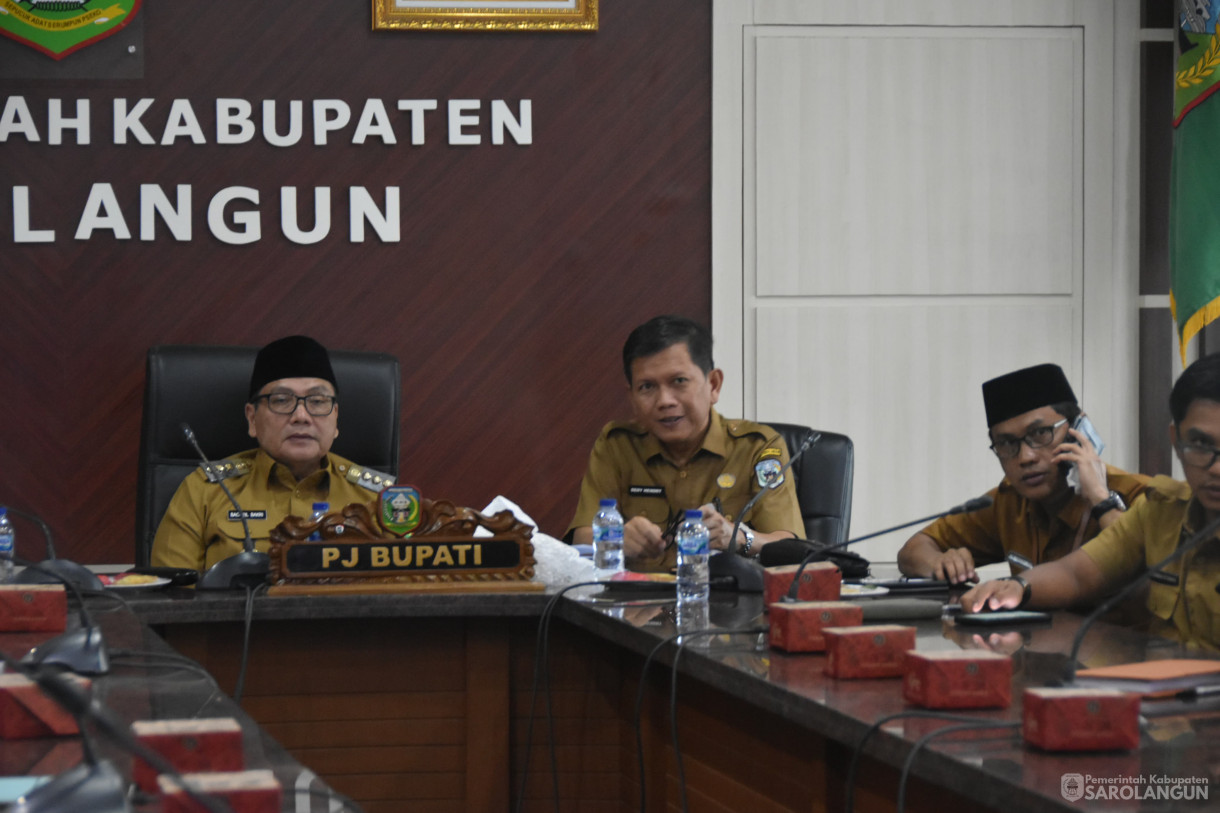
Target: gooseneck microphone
747, 575
246, 569
968, 507
1209, 530
61, 570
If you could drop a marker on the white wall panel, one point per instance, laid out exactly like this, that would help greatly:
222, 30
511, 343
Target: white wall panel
912, 160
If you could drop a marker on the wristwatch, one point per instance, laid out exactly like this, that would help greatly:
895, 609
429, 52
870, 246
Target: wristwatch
744, 550
1025, 590
1115, 500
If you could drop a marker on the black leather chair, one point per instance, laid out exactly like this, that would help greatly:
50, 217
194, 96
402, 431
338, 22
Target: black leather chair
206, 387
823, 478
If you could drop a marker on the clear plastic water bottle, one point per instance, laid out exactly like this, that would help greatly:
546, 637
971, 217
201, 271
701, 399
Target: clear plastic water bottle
8, 546
319, 511
693, 552
608, 539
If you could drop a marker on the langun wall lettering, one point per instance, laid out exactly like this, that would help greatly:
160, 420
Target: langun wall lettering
235, 212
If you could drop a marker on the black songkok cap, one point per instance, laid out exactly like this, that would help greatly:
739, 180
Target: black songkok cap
1016, 393
291, 357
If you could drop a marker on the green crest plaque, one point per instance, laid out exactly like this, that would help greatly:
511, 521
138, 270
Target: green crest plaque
59, 27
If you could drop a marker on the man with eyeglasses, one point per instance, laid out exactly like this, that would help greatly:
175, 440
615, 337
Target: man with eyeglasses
1182, 597
1037, 515
679, 453
293, 413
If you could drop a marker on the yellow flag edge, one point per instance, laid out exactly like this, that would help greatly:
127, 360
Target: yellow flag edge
1197, 321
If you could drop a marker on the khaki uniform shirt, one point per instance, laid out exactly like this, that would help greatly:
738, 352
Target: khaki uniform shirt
1182, 599
627, 463
201, 527
1015, 525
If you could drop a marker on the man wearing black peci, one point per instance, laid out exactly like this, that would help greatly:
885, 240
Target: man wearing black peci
1036, 514
679, 453
1182, 597
293, 413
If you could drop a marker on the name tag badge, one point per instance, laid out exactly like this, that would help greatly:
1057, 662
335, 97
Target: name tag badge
235, 516
646, 491
1020, 561
1161, 577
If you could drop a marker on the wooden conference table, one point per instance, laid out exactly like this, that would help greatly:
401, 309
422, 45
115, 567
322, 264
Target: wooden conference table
421, 703
149, 681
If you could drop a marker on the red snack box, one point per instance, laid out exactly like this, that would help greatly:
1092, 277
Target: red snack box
26, 713
206, 745
33, 608
867, 652
958, 680
1081, 719
797, 627
820, 582
244, 791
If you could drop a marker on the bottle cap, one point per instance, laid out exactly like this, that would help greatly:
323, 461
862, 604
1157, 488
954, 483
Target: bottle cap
321, 506
694, 513
608, 503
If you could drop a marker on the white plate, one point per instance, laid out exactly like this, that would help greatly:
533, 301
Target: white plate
862, 591
155, 584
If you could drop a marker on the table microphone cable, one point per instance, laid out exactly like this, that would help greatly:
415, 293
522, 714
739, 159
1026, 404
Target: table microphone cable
541, 669
251, 592
683, 639
976, 725
639, 694
853, 766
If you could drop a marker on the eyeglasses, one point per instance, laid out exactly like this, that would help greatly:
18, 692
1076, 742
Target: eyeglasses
675, 519
1202, 457
1037, 438
285, 403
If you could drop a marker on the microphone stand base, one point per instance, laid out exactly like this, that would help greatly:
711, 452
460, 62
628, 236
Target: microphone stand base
245, 569
87, 788
728, 571
69, 571
80, 650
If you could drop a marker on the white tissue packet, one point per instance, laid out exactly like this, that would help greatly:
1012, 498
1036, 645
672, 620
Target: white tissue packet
556, 563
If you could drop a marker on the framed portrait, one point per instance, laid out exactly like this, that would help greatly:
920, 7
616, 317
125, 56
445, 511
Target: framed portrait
486, 15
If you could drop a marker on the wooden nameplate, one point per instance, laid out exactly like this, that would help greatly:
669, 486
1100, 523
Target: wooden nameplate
356, 554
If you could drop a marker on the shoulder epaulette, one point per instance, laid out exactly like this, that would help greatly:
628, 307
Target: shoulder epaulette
375, 481
740, 428
226, 469
630, 427
1165, 489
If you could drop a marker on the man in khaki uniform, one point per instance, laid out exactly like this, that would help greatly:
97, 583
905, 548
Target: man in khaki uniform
293, 414
1035, 516
679, 453
1182, 598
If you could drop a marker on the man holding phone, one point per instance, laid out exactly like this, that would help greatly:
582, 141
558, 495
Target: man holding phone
1181, 597
1056, 493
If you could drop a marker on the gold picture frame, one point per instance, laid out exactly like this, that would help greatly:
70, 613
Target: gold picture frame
486, 15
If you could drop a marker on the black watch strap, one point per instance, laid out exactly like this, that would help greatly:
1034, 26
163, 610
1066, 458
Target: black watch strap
1025, 590
1115, 500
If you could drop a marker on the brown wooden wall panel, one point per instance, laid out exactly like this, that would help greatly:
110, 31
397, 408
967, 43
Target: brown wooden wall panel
356, 733
385, 759
369, 706
519, 272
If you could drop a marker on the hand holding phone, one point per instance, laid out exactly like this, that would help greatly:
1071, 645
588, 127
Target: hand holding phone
1072, 455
